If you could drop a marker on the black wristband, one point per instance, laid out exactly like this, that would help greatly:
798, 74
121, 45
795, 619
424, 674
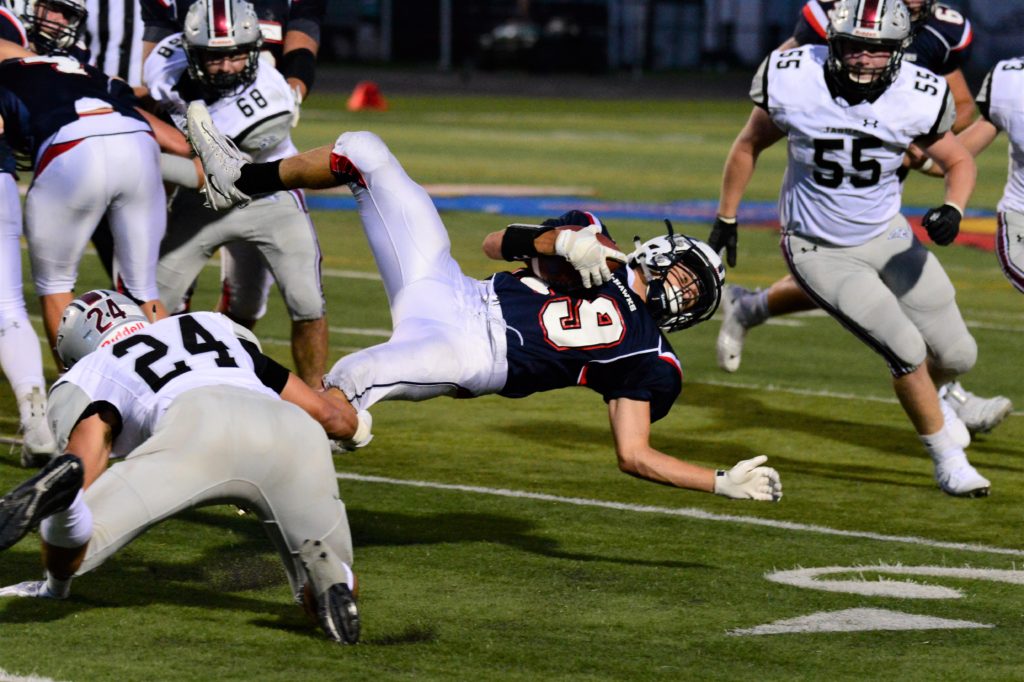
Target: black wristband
301, 64
517, 242
260, 178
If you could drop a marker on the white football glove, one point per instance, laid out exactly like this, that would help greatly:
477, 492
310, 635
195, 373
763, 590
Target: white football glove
748, 480
30, 588
587, 255
297, 99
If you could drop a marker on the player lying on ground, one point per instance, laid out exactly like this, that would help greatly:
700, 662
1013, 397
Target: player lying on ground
511, 334
196, 411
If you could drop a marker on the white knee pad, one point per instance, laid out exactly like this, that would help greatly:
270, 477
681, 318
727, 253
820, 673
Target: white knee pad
365, 150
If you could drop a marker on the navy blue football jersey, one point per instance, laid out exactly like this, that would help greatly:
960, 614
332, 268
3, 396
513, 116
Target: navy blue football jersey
40, 94
602, 339
941, 45
165, 17
12, 30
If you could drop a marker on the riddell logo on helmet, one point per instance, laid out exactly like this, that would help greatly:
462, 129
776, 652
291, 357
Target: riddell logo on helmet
124, 332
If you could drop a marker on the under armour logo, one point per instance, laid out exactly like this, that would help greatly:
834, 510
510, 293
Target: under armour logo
868, 123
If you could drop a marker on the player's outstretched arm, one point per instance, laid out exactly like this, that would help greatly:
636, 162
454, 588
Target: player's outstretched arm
631, 426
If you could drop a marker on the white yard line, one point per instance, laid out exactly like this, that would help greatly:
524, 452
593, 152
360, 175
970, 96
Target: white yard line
691, 513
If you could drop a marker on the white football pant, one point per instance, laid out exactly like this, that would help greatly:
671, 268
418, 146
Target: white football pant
1010, 247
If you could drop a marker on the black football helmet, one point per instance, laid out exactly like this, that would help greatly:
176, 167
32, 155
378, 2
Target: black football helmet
684, 278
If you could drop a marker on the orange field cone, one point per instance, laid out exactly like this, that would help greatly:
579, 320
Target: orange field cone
367, 96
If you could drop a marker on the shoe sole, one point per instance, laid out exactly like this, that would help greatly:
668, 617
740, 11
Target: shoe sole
49, 491
977, 492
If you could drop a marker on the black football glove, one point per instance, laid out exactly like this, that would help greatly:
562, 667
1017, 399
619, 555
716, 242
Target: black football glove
723, 236
942, 223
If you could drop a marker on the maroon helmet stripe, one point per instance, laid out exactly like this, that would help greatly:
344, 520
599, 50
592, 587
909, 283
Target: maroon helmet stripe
221, 21
869, 13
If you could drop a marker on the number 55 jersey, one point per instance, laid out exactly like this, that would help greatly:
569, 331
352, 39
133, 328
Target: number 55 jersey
841, 184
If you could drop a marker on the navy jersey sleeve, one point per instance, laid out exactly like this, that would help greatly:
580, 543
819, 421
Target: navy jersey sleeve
651, 378
307, 16
11, 28
812, 24
159, 20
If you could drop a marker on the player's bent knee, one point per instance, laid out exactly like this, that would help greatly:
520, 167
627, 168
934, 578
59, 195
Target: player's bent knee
960, 356
364, 149
910, 348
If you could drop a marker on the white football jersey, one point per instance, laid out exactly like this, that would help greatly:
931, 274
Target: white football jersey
142, 374
840, 184
1001, 100
267, 103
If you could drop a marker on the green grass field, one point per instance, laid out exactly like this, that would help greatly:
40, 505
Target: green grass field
496, 539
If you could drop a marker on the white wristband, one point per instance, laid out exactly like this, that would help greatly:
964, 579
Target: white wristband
927, 165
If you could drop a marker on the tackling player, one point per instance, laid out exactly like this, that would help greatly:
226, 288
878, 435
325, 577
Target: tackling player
274, 236
159, 396
941, 39
511, 334
850, 111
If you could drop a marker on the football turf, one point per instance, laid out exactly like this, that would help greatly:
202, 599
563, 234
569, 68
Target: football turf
496, 539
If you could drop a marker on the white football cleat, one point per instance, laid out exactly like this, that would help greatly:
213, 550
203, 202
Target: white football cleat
35, 589
732, 332
955, 426
221, 161
957, 477
980, 415
38, 445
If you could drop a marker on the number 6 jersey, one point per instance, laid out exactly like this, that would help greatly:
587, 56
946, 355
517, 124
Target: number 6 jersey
841, 184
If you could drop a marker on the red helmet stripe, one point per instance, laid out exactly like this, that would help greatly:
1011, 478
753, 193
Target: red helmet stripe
869, 13
220, 18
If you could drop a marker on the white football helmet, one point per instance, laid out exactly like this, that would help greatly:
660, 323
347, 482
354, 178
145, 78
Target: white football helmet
54, 26
882, 24
215, 29
94, 319
684, 278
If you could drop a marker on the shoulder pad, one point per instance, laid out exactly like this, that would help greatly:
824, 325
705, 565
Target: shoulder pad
265, 134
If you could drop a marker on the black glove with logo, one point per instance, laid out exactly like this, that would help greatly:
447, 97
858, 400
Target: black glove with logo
723, 236
943, 223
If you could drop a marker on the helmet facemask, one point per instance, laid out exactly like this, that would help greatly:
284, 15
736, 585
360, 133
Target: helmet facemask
684, 279
866, 26
53, 26
217, 31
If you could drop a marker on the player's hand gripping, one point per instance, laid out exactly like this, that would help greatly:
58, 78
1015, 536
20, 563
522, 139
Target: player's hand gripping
585, 253
724, 236
943, 223
748, 480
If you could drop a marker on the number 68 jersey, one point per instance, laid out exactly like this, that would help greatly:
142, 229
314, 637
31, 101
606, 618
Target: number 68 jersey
141, 374
841, 184
257, 118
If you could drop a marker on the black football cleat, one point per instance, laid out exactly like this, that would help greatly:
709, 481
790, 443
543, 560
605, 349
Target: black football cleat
50, 491
336, 608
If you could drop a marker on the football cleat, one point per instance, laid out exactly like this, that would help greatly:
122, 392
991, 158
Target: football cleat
979, 415
37, 589
957, 477
336, 608
38, 445
221, 161
52, 490
732, 332
955, 426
